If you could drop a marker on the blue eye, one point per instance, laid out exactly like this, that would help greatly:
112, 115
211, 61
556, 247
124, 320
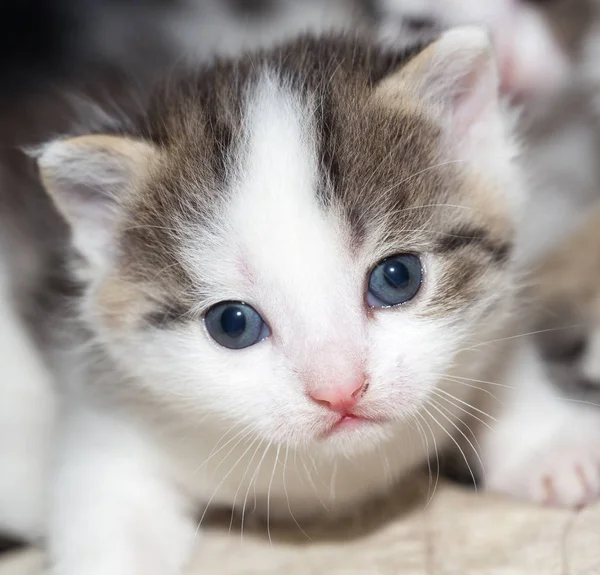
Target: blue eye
394, 281
235, 325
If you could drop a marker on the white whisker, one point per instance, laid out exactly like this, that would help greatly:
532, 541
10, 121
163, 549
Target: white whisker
425, 444
437, 457
470, 379
439, 408
213, 453
219, 487
287, 449
269, 494
466, 404
455, 443
484, 343
465, 411
313, 485
242, 481
252, 482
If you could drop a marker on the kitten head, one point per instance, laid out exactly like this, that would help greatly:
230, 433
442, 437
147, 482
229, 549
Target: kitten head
301, 241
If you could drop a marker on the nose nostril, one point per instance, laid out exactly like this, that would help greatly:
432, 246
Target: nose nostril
360, 391
337, 399
323, 402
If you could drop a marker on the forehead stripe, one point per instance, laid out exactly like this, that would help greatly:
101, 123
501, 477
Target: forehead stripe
464, 237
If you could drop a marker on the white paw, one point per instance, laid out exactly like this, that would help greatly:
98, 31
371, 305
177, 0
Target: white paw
568, 476
563, 475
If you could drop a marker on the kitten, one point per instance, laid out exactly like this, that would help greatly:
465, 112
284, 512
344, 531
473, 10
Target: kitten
285, 257
554, 379
81, 48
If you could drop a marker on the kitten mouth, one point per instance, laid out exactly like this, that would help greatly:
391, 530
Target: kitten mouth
348, 422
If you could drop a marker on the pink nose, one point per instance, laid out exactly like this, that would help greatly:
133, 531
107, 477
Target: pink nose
341, 397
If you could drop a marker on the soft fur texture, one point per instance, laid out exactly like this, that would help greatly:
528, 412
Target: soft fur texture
279, 180
282, 179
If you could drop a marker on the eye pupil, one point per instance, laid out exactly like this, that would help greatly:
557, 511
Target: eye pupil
233, 322
395, 281
396, 275
235, 325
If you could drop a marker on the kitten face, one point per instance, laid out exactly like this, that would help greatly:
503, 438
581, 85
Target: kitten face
282, 185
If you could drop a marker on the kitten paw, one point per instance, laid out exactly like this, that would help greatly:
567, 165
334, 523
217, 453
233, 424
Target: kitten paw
566, 475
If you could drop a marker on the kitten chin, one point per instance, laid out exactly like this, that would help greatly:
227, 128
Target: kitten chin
288, 257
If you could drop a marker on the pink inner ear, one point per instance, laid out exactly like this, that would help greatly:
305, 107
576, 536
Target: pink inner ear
476, 96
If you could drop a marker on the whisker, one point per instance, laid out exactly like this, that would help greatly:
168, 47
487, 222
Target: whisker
484, 343
241, 482
432, 403
233, 448
580, 401
455, 443
461, 378
425, 444
312, 484
332, 481
438, 391
471, 386
423, 206
461, 422
465, 411
253, 482
214, 453
269, 494
437, 456
416, 174
219, 487
287, 450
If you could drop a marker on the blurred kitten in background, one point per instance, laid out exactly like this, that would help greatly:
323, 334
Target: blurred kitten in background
550, 383
532, 61
567, 292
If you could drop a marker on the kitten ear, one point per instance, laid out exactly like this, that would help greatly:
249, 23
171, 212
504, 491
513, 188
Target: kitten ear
88, 178
455, 78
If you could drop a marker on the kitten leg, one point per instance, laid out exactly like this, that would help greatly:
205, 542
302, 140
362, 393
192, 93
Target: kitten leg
114, 510
543, 448
26, 424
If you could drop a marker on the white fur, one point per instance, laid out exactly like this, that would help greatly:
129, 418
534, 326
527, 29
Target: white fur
26, 423
544, 447
113, 509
